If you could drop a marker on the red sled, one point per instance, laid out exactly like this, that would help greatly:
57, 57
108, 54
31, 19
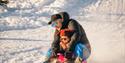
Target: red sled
61, 58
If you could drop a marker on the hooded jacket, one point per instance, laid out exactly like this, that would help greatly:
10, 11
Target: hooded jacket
79, 35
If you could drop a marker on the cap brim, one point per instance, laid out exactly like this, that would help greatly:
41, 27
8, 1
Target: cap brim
50, 22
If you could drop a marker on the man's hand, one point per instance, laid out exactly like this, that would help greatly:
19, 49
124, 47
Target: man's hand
54, 52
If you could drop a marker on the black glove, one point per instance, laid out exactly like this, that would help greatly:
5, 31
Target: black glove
54, 52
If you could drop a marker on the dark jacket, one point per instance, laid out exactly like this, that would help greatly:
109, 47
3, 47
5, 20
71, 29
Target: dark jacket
78, 36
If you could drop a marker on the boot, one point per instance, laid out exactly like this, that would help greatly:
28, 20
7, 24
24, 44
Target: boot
84, 61
78, 60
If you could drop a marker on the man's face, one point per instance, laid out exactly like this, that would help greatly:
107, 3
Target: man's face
58, 23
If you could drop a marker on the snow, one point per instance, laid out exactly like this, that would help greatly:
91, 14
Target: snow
25, 36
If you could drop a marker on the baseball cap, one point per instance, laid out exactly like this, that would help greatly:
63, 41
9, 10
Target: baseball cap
54, 17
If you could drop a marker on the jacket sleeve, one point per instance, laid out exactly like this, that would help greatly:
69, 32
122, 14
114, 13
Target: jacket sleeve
73, 25
55, 43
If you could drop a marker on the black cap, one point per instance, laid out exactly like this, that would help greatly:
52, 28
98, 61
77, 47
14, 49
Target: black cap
54, 17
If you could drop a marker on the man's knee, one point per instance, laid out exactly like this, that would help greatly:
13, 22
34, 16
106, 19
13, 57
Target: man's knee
82, 51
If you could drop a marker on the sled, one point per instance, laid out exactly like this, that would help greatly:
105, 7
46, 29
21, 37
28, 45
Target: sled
59, 59
62, 59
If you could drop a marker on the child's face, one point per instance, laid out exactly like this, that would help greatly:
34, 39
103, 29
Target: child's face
64, 39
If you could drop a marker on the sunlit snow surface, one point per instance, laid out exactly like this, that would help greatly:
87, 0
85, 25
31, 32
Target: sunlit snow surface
25, 36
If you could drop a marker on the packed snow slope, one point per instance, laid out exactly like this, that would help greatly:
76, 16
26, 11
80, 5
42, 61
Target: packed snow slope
25, 36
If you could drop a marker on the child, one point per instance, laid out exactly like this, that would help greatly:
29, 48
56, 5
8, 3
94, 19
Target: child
65, 36
64, 40
80, 53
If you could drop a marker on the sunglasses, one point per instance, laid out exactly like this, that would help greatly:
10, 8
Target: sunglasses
54, 24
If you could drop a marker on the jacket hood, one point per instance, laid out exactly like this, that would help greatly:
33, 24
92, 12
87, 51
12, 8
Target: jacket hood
65, 16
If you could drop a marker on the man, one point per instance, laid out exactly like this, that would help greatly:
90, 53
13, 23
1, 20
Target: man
63, 21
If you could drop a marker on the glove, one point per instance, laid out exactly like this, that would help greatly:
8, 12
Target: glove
55, 51
53, 54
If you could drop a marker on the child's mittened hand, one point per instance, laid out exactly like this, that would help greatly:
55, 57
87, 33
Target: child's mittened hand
63, 45
67, 45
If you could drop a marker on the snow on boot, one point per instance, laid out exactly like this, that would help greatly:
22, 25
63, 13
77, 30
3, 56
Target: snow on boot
84, 61
78, 60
